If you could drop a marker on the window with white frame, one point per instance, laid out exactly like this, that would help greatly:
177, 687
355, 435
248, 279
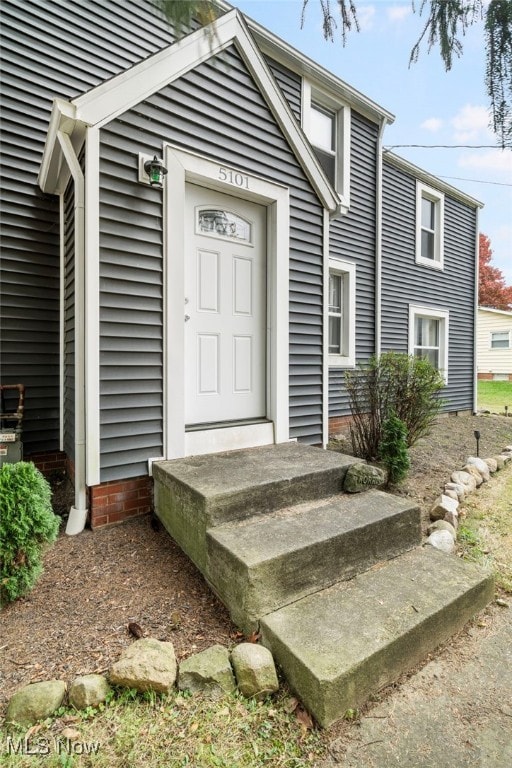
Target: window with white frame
428, 336
500, 340
429, 226
341, 325
326, 123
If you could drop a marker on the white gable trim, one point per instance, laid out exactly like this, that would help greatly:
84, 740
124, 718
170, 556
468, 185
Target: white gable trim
119, 94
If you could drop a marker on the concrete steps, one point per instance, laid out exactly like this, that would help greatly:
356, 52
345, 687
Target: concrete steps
264, 563
343, 595
197, 493
342, 644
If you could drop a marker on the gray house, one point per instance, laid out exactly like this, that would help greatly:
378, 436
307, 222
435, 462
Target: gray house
221, 308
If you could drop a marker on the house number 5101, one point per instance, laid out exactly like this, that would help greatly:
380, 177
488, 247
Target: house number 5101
231, 177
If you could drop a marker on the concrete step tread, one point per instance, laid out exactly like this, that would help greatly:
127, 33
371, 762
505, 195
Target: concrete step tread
222, 474
287, 530
339, 645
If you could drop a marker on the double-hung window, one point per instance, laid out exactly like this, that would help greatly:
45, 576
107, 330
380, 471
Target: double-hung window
428, 336
429, 226
500, 340
326, 123
341, 313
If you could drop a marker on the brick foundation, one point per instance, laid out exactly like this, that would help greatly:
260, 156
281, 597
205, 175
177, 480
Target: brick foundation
120, 500
339, 424
485, 377
54, 461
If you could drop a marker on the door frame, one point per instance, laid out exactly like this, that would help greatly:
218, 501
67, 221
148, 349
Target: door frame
187, 167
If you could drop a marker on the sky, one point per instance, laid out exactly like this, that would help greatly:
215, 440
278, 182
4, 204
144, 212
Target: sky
431, 106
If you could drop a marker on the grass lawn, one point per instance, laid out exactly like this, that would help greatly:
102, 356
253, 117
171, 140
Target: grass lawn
494, 396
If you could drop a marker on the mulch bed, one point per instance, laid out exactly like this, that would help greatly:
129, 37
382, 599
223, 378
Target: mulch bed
75, 621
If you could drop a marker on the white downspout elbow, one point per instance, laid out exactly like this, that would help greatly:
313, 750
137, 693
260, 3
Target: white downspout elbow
78, 512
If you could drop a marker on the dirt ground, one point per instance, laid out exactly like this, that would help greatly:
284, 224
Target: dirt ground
75, 621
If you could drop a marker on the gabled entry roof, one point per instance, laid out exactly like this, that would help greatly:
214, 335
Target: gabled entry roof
107, 101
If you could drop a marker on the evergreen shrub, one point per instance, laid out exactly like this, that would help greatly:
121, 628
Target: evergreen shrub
27, 523
393, 448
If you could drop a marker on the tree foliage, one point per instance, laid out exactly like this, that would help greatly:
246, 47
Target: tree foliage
447, 21
492, 289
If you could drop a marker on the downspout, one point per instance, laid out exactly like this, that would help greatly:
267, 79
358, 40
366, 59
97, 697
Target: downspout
78, 513
378, 241
475, 319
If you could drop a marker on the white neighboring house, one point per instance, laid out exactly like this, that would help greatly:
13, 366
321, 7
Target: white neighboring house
494, 344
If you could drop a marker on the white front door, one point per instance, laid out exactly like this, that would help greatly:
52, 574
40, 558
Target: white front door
225, 308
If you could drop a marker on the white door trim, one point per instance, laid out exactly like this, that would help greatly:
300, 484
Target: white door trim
186, 167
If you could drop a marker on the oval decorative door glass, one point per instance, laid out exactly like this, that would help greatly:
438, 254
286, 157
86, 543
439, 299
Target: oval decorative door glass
220, 223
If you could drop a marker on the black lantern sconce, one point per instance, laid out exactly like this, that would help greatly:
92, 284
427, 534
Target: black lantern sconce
477, 438
156, 171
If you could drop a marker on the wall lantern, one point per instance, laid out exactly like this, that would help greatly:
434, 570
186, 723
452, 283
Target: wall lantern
156, 171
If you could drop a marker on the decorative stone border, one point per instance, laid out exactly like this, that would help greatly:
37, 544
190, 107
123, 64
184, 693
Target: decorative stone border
445, 511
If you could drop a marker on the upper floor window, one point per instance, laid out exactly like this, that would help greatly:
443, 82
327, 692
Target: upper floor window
500, 340
326, 123
429, 226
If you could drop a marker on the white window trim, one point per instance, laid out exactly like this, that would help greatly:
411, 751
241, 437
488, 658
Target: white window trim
497, 349
417, 310
311, 94
348, 269
424, 191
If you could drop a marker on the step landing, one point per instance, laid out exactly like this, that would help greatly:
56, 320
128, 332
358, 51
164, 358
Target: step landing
197, 493
264, 563
338, 646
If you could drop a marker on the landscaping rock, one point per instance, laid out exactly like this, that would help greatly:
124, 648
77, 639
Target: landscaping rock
147, 665
88, 691
442, 540
472, 470
482, 467
443, 525
506, 457
492, 464
35, 702
442, 505
453, 519
360, 477
208, 671
458, 488
451, 494
465, 479
500, 461
255, 670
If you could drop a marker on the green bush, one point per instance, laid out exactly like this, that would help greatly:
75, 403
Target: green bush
406, 385
393, 448
27, 523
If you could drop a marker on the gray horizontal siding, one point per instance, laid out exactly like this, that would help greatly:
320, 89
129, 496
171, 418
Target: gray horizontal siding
48, 49
353, 239
291, 86
215, 110
404, 282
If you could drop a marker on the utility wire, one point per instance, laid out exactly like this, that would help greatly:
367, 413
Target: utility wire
475, 181
445, 146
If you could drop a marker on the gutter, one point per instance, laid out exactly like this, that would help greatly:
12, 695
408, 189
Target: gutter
78, 512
